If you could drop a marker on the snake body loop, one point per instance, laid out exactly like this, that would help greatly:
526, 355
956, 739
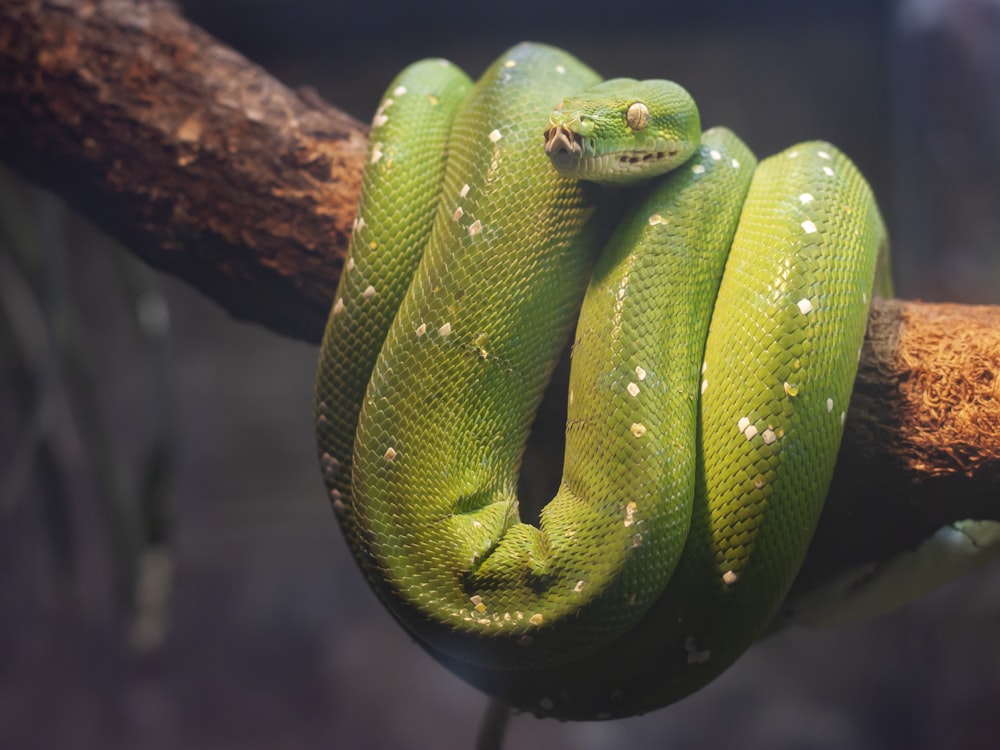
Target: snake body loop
718, 327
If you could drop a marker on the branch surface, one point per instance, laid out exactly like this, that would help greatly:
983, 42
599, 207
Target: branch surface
210, 169
195, 158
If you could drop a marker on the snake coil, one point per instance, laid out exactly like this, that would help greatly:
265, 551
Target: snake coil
719, 312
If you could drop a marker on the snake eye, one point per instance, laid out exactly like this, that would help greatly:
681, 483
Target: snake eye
637, 115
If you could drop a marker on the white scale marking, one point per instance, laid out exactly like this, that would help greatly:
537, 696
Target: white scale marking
698, 169
749, 430
444, 330
495, 135
640, 372
376, 153
694, 654
715, 155
808, 227
369, 292
380, 119
828, 171
338, 306
829, 405
464, 191
475, 228
421, 329
330, 465
399, 90
633, 389
805, 306
805, 198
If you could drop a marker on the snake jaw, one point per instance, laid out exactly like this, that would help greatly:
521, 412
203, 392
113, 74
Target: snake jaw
574, 145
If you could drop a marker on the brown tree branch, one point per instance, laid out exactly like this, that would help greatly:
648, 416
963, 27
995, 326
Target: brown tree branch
196, 159
921, 445
210, 169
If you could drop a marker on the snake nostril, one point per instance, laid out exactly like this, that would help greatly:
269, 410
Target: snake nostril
562, 141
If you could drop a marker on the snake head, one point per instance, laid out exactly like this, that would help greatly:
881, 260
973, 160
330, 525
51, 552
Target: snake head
623, 130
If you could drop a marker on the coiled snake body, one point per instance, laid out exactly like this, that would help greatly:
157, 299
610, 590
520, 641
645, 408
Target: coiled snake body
705, 407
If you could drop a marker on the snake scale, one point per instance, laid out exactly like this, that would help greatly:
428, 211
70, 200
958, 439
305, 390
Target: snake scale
719, 312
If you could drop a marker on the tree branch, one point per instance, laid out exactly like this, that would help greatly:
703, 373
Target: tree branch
921, 446
196, 159
212, 170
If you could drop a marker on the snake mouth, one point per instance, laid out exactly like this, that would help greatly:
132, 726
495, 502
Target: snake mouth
564, 146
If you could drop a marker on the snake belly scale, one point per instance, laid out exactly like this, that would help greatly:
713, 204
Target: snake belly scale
719, 311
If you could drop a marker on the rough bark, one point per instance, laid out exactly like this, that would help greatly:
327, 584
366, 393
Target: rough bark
210, 169
196, 159
921, 445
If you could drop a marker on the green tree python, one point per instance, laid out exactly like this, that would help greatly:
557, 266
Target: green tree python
719, 307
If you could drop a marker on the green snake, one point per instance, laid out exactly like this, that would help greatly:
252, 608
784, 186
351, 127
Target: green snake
719, 308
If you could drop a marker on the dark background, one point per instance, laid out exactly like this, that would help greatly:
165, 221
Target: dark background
253, 628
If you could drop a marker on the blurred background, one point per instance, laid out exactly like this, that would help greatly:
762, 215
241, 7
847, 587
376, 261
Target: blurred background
170, 573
